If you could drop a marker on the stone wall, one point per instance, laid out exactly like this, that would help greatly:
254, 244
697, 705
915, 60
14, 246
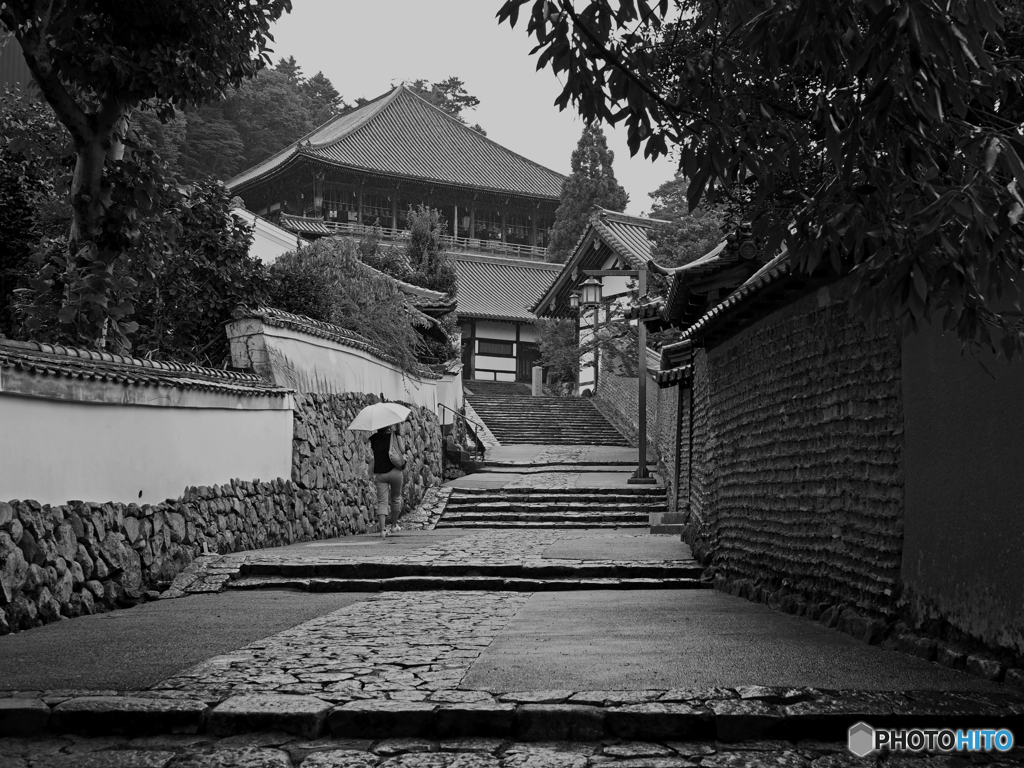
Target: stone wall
81, 558
797, 490
616, 398
666, 403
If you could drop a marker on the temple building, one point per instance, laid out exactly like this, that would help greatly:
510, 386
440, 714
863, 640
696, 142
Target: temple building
367, 166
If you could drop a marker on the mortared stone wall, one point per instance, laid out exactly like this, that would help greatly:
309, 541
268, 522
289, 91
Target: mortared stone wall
87, 557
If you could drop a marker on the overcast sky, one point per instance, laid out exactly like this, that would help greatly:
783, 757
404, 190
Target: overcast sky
365, 47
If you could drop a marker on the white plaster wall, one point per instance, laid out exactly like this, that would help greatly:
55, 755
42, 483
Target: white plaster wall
449, 393
496, 363
55, 450
488, 329
269, 240
311, 364
527, 333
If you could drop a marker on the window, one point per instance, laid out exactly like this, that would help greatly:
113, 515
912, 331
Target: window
495, 348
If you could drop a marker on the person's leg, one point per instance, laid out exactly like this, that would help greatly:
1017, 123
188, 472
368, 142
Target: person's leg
383, 492
395, 479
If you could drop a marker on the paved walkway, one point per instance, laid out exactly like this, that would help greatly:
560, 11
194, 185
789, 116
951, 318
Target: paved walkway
453, 677
551, 467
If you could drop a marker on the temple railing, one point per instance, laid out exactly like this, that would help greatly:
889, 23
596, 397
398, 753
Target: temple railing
467, 244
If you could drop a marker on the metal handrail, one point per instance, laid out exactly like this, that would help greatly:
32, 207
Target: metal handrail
460, 415
481, 448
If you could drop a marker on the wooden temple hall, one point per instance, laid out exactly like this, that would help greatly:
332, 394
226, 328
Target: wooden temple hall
367, 166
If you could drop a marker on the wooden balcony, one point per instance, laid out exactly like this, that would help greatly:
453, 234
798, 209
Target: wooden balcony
451, 244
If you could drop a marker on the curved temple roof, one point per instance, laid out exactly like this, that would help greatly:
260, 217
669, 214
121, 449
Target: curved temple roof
400, 134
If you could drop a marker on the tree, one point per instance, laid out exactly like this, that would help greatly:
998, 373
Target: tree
167, 138
449, 96
290, 68
269, 113
322, 99
590, 184
213, 147
879, 139
687, 235
425, 251
328, 278
33, 146
95, 64
192, 289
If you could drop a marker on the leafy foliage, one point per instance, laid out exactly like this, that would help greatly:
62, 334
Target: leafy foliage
876, 138
430, 267
269, 113
179, 286
688, 235
590, 184
614, 343
95, 63
199, 280
32, 143
559, 352
449, 96
328, 278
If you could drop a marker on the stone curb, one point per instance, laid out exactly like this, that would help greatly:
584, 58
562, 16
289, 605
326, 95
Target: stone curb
355, 569
739, 715
483, 583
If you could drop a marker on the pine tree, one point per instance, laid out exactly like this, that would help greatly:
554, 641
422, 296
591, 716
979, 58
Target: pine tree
592, 183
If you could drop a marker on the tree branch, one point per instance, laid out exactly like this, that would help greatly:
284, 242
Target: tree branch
33, 44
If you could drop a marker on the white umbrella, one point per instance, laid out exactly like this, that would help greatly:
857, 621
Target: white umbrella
378, 415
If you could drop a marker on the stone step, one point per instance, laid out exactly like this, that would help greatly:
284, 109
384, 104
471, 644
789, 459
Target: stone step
559, 525
673, 529
549, 469
542, 440
771, 720
521, 465
484, 583
567, 494
582, 496
377, 571
547, 515
532, 510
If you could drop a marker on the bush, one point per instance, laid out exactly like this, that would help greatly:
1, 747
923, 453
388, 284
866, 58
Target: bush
328, 278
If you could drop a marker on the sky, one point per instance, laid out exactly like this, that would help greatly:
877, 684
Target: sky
365, 48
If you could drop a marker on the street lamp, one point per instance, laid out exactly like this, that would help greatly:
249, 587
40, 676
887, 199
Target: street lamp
591, 290
574, 300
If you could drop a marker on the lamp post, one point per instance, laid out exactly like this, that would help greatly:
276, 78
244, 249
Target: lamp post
574, 304
591, 290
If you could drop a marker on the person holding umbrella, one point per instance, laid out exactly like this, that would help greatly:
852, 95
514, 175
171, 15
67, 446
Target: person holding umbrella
388, 459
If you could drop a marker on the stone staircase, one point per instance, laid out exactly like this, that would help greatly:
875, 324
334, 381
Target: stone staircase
516, 417
607, 508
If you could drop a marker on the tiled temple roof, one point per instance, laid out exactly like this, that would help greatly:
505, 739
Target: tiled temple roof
623, 235
399, 134
500, 289
69, 362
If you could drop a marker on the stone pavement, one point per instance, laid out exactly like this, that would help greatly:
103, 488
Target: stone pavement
277, 750
399, 676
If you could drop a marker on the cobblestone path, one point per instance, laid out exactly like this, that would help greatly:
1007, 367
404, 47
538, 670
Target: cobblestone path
408, 646
281, 751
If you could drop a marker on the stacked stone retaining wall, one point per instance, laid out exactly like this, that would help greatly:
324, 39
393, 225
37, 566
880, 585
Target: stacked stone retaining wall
797, 484
86, 557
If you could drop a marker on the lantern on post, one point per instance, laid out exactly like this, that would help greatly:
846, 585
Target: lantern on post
574, 300
591, 292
